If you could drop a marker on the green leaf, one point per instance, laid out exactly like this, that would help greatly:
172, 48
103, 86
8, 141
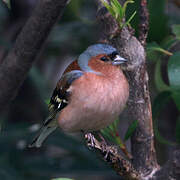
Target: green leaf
115, 9
174, 71
129, 20
105, 3
117, 4
7, 3
118, 11
119, 8
178, 131
108, 135
125, 6
109, 8
155, 47
115, 123
176, 30
160, 84
111, 133
130, 130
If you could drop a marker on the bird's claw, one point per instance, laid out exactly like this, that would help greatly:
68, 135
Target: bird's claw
90, 140
92, 143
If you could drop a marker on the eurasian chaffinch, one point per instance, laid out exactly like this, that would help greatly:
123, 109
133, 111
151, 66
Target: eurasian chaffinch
89, 96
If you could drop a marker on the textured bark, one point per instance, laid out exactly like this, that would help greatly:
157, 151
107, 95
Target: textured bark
122, 166
139, 105
19, 60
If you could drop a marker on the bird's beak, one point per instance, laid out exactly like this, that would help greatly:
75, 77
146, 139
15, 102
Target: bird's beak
118, 60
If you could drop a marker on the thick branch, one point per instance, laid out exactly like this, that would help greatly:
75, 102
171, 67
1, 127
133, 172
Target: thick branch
110, 154
144, 157
15, 67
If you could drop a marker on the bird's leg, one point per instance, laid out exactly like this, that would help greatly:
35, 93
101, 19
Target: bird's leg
104, 146
101, 146
121, 145
107, 150
90, 140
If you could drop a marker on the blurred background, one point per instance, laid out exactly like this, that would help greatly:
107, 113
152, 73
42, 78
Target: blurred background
65, 155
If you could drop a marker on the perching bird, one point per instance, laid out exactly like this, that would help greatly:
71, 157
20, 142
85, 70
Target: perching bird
89, 96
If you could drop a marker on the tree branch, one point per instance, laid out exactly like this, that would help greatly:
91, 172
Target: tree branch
19, 60
139, 105
122, 166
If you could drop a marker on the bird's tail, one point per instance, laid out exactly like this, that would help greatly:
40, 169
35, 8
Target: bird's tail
43, 134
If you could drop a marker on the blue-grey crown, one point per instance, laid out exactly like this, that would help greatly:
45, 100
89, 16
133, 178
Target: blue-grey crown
91, 51
96, 49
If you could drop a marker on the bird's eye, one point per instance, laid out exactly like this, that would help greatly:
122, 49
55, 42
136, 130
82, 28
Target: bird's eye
104, 58
113, 55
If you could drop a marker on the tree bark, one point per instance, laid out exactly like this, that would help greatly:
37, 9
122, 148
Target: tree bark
144, 22
144, 160
19, 60
139, 105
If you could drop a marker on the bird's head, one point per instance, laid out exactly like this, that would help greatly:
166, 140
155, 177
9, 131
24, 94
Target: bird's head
101, 54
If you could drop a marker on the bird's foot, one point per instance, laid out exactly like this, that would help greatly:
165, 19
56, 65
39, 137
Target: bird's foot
90, 139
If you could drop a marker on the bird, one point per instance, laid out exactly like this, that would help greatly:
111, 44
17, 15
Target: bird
89, 96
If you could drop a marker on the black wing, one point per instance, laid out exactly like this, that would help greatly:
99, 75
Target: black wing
60, 96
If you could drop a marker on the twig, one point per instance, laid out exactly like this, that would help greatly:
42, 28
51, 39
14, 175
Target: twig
19, 60
144, 22
110, 154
